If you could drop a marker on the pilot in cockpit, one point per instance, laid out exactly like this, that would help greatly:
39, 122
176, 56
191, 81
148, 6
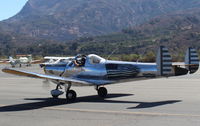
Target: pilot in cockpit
80, 60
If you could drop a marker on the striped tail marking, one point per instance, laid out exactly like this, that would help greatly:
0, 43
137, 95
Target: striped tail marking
164, 62
192, 60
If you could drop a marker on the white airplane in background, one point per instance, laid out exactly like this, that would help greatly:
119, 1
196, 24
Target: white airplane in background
22, 60
55, 60
93, 70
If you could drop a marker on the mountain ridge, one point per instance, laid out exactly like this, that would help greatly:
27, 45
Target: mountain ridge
68, 19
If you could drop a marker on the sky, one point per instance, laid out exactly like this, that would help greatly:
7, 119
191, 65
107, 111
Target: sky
9, 8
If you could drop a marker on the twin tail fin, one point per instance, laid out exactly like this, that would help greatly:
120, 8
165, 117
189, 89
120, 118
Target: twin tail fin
165, 65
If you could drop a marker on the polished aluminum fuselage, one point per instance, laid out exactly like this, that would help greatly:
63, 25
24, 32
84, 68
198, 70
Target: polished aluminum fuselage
105, 70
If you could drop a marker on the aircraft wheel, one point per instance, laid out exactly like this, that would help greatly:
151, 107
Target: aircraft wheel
102, 92
71, 95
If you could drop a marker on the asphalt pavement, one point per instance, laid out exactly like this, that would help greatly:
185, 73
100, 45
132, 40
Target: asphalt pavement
171, 101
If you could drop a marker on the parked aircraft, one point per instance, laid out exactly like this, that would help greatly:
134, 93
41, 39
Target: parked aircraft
22, 60
49, 60
93, 70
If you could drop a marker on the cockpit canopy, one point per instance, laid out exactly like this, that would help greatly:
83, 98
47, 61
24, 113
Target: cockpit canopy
95, 59
81, 60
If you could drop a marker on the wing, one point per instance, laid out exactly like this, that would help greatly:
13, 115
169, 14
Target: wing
56, 78
41, 76
36, 61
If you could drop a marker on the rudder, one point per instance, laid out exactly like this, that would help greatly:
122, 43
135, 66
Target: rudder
191, 60
164, 62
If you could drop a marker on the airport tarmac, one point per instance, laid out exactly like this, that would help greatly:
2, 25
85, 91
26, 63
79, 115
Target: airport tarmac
159, 102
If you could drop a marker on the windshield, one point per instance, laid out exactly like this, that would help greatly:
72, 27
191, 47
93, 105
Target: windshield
94, 59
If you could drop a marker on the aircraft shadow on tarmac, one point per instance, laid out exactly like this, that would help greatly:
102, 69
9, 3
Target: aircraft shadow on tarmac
50, 102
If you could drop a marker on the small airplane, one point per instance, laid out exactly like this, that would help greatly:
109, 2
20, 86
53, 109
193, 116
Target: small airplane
48, 60
93, 70
22, 59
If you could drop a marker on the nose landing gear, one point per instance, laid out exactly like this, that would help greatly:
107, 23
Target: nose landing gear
70, 94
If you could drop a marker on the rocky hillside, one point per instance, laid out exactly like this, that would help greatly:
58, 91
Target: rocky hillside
177, 31
68, 19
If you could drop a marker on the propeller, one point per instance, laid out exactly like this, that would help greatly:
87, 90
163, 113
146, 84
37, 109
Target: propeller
46, 85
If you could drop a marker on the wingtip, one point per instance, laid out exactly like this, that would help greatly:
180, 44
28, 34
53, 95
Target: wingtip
4, 69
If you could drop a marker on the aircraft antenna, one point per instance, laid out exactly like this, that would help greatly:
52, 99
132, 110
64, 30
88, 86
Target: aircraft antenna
138, 59
113, 51
140, 56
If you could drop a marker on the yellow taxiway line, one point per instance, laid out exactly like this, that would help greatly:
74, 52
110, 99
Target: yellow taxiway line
116, 112
121, 112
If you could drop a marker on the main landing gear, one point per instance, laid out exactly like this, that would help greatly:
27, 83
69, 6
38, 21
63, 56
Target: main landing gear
71, 94
102, 91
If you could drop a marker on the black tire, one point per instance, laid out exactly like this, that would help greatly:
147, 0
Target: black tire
71, 95
102, 92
